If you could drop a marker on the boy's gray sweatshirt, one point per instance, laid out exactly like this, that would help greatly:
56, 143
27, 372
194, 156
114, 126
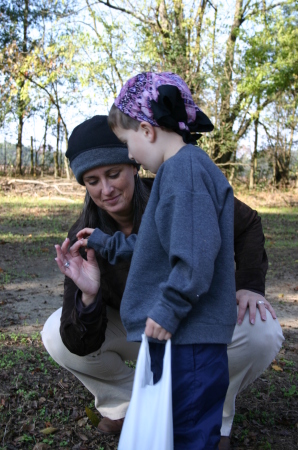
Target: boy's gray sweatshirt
182, 269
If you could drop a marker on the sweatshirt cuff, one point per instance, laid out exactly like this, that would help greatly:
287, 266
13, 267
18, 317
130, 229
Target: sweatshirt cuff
97, 240
165, 317
88, 314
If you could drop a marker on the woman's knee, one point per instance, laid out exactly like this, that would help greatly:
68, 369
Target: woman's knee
263, 334
255, 345
51, 338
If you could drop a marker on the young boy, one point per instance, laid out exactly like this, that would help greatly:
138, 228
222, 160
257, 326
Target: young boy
181, 283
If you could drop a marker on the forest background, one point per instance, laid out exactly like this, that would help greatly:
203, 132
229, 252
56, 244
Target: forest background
62, 61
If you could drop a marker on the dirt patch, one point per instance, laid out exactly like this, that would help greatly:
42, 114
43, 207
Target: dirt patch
26, 304
36, 394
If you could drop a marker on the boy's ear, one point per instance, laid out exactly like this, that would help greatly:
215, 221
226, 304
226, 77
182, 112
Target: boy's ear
148, 130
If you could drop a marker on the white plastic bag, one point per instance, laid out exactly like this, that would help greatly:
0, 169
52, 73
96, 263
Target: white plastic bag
148, 423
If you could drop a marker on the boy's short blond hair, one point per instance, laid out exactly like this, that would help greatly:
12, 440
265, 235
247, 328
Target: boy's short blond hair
117, 118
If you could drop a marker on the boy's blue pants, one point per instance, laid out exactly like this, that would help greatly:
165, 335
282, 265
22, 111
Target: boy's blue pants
200, 379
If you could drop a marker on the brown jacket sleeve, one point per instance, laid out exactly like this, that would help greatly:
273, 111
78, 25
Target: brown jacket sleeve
83, 337
250, 255
79, 338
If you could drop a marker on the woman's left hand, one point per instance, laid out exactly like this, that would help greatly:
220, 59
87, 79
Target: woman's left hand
84, 273
252, 301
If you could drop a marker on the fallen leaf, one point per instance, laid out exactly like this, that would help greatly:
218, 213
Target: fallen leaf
75, 414
82, 437
41, 446
49, 430
280, 295
82, 422
28, 427
277, 368
94, 419
1, 270
268, 236
45, 250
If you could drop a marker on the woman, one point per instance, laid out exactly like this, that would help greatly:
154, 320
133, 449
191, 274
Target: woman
92, 341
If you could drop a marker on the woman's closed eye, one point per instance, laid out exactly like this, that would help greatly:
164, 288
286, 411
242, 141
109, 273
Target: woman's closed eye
92, 183
114, 175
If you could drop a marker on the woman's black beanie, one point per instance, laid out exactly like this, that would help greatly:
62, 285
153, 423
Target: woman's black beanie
93, 144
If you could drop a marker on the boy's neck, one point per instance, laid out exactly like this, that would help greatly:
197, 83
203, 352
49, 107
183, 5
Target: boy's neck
169, 140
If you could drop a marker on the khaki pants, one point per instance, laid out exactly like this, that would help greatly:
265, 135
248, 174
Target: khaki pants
109, 379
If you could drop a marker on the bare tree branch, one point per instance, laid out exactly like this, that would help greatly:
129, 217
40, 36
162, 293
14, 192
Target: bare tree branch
126, 11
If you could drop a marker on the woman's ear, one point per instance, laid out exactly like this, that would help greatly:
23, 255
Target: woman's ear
148, 131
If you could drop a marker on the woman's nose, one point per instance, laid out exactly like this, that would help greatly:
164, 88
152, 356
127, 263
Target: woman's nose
107, 187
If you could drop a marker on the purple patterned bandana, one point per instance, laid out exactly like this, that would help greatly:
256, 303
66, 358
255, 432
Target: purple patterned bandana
162, 99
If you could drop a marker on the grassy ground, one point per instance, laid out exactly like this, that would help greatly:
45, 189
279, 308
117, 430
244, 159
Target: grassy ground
33, 225
43, 407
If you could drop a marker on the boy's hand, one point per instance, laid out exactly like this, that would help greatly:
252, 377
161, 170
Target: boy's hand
154, 330
84, 233
83, 236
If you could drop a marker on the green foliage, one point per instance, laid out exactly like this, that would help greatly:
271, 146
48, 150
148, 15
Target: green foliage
284, 233
291, 392
241, 64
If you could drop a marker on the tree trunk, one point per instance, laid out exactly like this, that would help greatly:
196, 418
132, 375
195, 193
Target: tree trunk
224, 154
31, 157
44, 146
274, 166
60, 154
36, 163
226, 90
254, 158
232, 172
4, 156
66, 160
19, 147
66, 147
288, 153
56, 153
21, 106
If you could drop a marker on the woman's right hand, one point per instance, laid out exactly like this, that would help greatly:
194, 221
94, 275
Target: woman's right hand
85, 274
